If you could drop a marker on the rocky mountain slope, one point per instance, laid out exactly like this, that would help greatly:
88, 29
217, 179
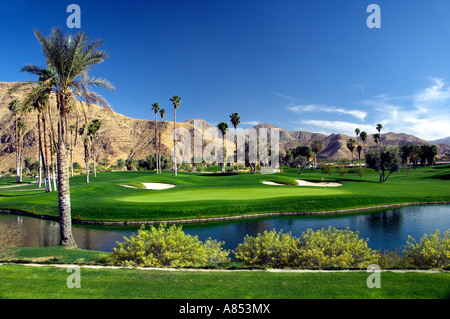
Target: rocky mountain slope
124, 137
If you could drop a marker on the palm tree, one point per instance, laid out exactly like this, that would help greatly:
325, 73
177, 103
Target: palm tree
223, 127
379, 127
156, 108
21, 128
235, 119
86, 139
363, 136
359, 149
377, 138
357, 131
13, 107
71, 57
316, 148
351, 143
94, 127
176, 100
162, 114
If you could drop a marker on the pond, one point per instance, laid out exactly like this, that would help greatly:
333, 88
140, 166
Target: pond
385, 229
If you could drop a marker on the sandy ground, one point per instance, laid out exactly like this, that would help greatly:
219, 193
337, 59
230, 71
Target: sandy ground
156, 186
273, 183
306, 183
326, 184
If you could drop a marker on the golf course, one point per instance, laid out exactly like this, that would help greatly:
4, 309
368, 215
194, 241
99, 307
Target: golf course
121, 197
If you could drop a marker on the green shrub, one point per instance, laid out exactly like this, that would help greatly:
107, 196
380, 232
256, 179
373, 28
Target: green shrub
268, 249
165, 246
324, 248
432, 250
333, 248
328, 169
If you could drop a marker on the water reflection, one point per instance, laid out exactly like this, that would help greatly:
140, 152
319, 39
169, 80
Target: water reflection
385, 229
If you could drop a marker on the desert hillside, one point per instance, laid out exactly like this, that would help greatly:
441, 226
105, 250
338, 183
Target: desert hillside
122, 137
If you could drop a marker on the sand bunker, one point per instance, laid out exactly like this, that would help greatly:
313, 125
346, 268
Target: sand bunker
273, 183
158, 185
326, 184
306, 183
155, 186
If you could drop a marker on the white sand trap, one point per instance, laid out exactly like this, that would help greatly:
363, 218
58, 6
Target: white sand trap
273, 183
155, 186
158, 185
325, 184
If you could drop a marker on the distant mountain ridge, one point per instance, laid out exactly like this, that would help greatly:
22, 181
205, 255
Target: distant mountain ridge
122, 137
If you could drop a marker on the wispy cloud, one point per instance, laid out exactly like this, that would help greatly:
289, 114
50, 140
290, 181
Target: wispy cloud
329, 127
286, 97
252, 123
425, 114
329, 109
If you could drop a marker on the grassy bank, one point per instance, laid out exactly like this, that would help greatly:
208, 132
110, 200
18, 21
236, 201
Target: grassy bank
216, 195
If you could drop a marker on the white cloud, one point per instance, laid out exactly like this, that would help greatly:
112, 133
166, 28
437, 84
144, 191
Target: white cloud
329, 109
286, 97
252, 123
425, 114
337, 127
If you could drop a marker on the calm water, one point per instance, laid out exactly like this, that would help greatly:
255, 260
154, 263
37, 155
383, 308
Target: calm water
386, 229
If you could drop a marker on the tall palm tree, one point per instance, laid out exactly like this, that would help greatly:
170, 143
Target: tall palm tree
39, 99
359, 149
357, 131
71, 57
351, 144
21, 128
235, 119
94, 127
379, 127
86, 141
223, 127
156, 108
316, 148
162, 114
377, 138
13, 107
176, 100
363, 136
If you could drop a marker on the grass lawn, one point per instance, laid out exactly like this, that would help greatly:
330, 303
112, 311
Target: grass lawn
26, 282
215, 195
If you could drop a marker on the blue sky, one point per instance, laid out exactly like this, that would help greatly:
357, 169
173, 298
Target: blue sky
301, 65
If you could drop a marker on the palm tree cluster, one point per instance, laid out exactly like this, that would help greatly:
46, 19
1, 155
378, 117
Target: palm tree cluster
65, 79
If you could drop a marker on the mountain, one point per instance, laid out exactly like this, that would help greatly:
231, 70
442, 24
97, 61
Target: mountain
124, 137
445, 140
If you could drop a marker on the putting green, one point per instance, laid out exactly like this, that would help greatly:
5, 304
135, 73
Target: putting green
227, 193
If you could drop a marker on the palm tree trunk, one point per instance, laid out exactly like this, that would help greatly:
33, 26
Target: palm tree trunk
65, 218
224, 154
40, 149
174, 154
16, 138
156, 143
45, 156
236, 147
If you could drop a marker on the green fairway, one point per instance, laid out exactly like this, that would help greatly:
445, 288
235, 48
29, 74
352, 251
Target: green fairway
106, 198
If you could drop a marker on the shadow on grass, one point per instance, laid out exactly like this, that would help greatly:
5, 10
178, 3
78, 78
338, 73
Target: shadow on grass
218, 174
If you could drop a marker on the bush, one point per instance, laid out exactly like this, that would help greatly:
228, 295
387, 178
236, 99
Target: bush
10, 236
269, 248
432, 250
328, 169
324, 248
165, 246
333, 248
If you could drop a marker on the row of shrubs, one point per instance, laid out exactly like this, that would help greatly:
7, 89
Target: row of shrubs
330, 248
